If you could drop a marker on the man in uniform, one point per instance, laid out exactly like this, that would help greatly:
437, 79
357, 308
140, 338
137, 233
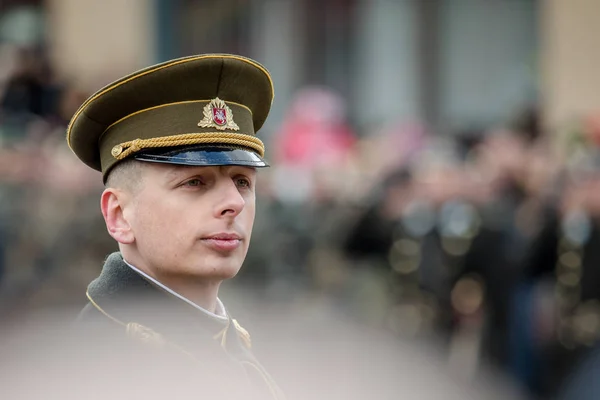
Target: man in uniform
177, 147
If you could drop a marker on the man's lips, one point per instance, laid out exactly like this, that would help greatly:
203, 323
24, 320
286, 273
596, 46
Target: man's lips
223, 242
224, 236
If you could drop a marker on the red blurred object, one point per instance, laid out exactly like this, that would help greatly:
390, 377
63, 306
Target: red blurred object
592, 129
315, 131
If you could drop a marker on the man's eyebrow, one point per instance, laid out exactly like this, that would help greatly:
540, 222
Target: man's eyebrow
172, 173
246, 167
176, 171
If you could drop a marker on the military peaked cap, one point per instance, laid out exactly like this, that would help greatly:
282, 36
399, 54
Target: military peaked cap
198, 110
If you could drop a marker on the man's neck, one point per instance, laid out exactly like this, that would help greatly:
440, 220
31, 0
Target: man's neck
201, 292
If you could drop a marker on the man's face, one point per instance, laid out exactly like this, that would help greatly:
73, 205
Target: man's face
192, 222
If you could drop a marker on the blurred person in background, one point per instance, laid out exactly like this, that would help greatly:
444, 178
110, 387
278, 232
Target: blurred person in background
29, 120
314, 148
560, 314
571, 244
315, 136
22, 104
449, 232
41, 188
179, 165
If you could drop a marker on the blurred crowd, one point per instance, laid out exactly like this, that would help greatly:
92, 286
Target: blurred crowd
48, 204
481, 242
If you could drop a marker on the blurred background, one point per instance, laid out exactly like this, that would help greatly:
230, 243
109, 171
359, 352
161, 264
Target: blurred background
435, 165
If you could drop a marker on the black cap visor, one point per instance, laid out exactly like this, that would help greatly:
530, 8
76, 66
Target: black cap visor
203, 156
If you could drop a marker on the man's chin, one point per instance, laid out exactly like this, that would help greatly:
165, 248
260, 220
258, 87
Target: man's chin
216, 272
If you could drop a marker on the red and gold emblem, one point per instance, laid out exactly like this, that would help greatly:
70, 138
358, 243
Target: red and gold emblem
218, 115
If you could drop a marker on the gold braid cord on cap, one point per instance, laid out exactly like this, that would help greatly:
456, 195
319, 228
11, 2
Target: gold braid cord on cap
125, 149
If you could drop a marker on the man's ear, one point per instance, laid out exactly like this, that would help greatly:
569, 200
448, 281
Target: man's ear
118, 227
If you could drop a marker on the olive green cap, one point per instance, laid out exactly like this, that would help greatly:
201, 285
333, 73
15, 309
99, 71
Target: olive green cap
210, 102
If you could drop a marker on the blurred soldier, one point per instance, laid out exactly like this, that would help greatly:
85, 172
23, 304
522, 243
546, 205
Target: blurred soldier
561, 269
176, 144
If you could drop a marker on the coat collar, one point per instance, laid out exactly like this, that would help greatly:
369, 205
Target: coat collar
127, 298
149, 313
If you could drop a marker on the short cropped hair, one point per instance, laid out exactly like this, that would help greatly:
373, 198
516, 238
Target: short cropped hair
126, 175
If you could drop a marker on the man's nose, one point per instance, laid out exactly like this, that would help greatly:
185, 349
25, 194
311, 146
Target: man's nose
231, 202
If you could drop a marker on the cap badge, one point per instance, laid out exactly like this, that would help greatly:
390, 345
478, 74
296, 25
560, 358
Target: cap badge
218, 115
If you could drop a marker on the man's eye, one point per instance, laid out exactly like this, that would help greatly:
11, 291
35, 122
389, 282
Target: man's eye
193, 182
243, 182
